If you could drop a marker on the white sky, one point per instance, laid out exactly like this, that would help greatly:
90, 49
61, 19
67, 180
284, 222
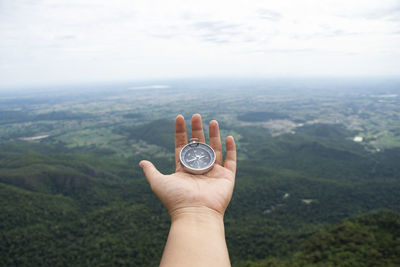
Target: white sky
52, 41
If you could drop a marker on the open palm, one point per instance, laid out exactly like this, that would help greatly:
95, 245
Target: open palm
182, 190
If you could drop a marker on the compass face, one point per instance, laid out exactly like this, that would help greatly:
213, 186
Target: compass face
197, 157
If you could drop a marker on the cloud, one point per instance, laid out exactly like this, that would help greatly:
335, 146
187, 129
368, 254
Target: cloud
87, 39
163, 36
66, 37
216, 31
385, 10
285, 51
214, 26
389, 13
268, 14
326, 33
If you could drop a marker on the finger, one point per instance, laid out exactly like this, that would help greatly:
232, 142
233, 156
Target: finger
151, 173
215, 141
230, 159
197, 128
180, 139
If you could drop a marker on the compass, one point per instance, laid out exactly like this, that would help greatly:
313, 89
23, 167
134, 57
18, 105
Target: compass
197, 157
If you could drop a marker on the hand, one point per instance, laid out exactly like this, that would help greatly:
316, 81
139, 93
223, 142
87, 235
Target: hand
182, 192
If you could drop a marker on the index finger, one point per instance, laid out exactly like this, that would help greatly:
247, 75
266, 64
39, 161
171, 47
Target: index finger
180, 139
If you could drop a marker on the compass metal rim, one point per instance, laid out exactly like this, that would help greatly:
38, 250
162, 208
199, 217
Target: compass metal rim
200, 170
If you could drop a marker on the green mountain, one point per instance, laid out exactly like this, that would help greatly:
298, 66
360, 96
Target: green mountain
368, 240
92, 207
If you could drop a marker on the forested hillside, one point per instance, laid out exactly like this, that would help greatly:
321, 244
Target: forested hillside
315, 170
81, 207
369, 240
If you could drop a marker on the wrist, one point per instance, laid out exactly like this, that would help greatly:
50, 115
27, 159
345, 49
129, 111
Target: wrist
196, 238
198, 214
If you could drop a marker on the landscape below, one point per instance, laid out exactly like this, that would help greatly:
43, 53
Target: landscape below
308, 192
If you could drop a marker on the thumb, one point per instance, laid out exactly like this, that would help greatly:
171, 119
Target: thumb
151, 173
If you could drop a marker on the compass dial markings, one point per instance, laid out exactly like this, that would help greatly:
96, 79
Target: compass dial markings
197, 156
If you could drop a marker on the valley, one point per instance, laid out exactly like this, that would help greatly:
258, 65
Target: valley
312, 154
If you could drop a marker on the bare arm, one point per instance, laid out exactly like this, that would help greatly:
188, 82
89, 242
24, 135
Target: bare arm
196, 203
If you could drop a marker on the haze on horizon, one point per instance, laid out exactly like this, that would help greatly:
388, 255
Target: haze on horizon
48, 41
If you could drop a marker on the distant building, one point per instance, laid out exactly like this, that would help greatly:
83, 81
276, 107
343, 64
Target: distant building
358, 139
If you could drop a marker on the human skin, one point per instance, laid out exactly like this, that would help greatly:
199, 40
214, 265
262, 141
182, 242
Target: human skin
196, 203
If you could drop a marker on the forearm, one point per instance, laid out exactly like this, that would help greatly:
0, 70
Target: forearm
196, 238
